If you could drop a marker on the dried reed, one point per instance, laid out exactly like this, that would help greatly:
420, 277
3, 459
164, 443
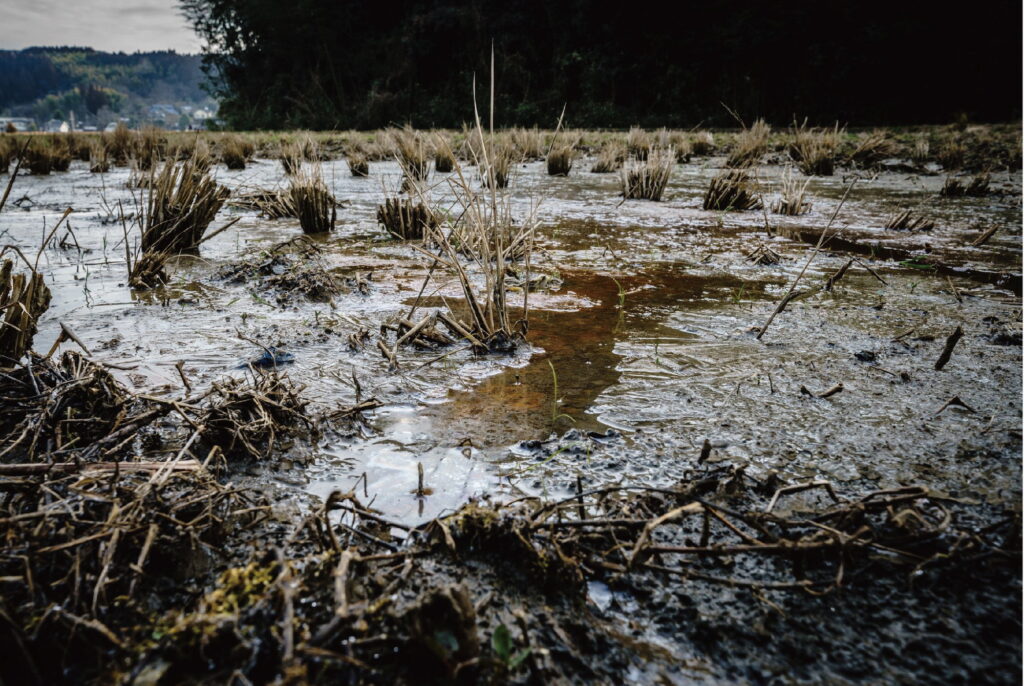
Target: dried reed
406, 218
313, 203
23, 299
906, 220
791, 196
731, 190
559, 160
750, 145
647, 179
814, 150
609, 159
182, 201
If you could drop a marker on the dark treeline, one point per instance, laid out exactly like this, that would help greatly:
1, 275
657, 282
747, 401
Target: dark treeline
364, 63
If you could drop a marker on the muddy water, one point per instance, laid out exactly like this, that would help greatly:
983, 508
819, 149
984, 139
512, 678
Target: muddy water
649, 334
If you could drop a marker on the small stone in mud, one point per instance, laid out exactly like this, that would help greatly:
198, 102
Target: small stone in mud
865, 356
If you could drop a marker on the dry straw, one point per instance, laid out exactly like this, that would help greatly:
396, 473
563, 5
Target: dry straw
792, 196
646, 179
731, 190
750, 145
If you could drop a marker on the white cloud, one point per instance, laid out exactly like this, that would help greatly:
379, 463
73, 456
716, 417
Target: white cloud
137, 25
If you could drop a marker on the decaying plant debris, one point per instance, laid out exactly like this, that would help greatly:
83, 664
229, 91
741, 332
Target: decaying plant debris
295, 267
249, 417
908, 220
343, 593
977, 186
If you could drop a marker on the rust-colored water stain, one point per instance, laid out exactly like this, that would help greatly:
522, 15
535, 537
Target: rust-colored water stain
520, 403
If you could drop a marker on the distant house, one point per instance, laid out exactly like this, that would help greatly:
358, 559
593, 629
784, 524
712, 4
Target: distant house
19, 123
159, 111
56, 126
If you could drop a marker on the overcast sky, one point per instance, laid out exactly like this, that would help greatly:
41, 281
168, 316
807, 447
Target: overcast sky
112, 25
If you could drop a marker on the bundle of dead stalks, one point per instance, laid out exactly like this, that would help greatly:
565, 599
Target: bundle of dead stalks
951, 154
148, 149
791, 196
246, 418
120, 144
750, 145
8, 151
68, 410
412, 153
638, 143
703, 143
559, 160
313, 203
764, 256
192, 148
908, 220
977, 187
182, 201
496, 165
921, 152
683, 147
483, 231
444, 159
236, 151
45, 156
88, 557
668, 532
291, 157
99, 161
358, 164
78, 145
814, 150
148, 270
872, 148
529, 143
406, 218
23, 299
609, 159
731, 190
646, 179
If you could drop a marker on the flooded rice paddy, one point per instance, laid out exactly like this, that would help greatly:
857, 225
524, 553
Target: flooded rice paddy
645, 319
649, 392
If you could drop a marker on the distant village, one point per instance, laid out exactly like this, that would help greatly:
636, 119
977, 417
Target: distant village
165, 116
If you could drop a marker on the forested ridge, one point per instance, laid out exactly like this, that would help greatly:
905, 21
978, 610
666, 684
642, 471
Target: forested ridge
52, 81
360, 63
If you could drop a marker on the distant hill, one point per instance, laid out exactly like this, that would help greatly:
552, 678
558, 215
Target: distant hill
52, 82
